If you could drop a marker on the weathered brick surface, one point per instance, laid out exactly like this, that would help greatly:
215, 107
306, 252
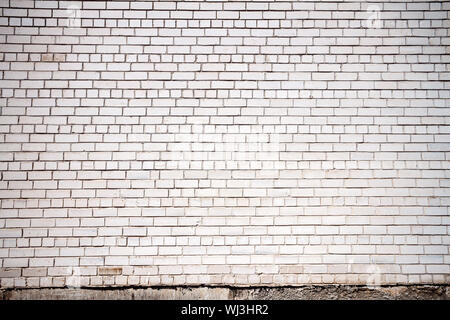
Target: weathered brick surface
224, 143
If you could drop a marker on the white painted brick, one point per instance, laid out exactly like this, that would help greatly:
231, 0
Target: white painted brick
116, 146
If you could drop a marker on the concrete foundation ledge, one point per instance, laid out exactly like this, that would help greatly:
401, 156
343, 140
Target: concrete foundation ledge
338, 292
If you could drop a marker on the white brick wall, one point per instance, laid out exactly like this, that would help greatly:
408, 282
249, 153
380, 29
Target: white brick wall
237, 143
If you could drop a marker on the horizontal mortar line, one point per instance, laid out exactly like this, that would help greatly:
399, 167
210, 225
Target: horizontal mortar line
268, 72
231, 81
219, 46
222, 207
268, 9
80, 31
242, 15
268, 36
227, 45
232, 226
299, 215
239, 197
244, 28
427, 15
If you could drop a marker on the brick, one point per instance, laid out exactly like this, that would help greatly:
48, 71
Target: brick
169, 142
